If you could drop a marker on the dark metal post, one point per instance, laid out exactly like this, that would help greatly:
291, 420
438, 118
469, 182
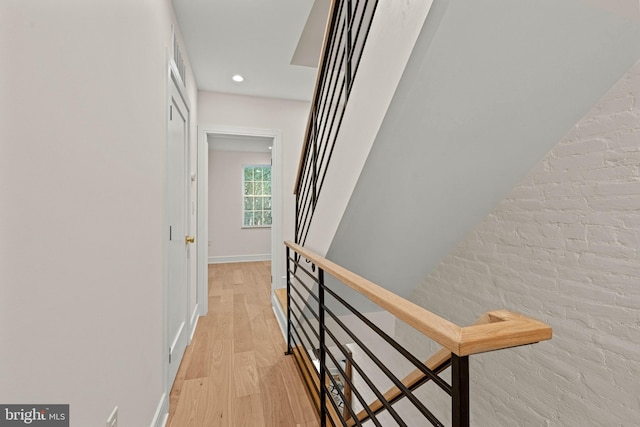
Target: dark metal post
349, 18
288, 303
460, 390
314, 164
321, 382
297, 225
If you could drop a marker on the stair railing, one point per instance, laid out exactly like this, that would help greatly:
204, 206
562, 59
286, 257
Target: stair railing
345, 37
322, 337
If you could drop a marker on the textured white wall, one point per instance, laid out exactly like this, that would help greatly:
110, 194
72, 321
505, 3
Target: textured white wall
226, 236
563, 247
82, 139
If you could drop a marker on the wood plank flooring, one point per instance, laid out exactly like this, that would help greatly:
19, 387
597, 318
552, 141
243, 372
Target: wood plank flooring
234, 373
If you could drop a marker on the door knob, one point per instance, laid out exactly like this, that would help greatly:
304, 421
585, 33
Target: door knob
189, 239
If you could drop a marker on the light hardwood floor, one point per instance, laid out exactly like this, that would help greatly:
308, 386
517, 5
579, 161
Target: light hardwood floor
235, 372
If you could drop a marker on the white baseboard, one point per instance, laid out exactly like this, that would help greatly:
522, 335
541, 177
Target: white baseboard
194, 322
239, 258
281, 316
162, 412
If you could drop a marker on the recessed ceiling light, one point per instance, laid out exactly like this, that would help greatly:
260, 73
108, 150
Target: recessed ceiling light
237, 78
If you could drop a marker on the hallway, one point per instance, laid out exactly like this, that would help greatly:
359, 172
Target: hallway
235, 372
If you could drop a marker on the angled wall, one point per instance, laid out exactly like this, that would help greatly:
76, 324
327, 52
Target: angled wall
393, 33
489, 88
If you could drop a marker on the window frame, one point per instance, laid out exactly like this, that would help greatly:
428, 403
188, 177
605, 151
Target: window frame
263, 196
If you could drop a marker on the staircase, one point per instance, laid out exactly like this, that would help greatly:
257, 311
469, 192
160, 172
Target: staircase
341, 357
461, 131
340, 134
345, 38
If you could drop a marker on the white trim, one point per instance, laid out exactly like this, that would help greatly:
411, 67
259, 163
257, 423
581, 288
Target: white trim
202, 229
281, 316
277, 238
180, 85
177, 339
243, 226
165, 253
238, 258
194, 322
172, 80
162, 412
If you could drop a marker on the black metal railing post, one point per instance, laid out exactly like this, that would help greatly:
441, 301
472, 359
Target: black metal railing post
314, 170
348, 45
297, 224
460, 390
288, 302
322, 355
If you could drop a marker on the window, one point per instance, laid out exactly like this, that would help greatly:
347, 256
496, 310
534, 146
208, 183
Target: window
257, 196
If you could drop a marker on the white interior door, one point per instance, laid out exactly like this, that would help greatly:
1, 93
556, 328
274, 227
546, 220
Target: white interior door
178, 291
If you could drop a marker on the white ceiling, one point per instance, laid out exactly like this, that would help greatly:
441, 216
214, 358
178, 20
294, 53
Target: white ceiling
257, 39
274, 44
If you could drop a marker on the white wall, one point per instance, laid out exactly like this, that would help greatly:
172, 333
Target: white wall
82, 140
483, 97
289, 117
562, 247
228, 240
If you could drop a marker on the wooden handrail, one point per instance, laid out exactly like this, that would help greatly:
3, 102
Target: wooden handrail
316, 89
499, 329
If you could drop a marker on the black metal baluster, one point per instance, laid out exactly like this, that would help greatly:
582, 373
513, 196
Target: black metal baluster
323, 392
348, 46
460, 390
297, 225
288, 302
314, 169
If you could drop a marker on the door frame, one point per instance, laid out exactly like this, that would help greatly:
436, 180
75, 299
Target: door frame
173, 77
277, 248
